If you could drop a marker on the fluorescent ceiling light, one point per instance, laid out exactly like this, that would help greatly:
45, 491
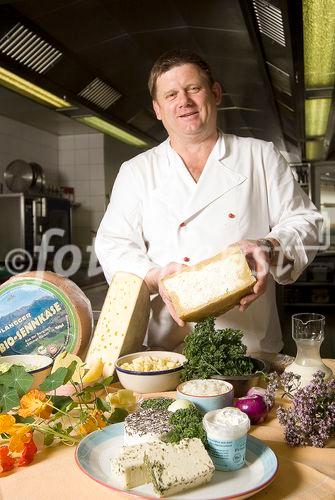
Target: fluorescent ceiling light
28, 89
109, 129
316, 116
319, 66
319, 43
314, 150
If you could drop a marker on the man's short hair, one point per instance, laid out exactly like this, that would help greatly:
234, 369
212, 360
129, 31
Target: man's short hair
176, 57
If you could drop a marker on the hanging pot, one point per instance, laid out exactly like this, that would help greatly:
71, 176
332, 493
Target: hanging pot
23, 177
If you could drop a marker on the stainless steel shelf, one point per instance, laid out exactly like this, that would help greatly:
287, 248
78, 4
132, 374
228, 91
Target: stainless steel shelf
307, 304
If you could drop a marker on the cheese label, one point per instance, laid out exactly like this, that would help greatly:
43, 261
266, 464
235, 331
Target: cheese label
227, 454
36, 318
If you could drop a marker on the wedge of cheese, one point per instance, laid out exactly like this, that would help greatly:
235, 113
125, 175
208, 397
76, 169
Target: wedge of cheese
172, 468
211, 287
169, 467
122, 323
128, 466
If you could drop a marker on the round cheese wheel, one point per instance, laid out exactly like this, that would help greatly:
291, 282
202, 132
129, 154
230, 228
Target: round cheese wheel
44, 313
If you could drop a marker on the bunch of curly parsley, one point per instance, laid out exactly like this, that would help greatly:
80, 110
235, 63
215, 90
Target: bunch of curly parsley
186, 423
211, 352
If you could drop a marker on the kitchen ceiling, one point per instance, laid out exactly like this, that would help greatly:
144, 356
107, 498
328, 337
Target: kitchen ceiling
99, 54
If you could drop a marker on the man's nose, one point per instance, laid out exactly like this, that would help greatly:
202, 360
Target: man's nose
184, 99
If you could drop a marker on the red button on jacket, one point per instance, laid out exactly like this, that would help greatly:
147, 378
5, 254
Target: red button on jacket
186, 259
231, 216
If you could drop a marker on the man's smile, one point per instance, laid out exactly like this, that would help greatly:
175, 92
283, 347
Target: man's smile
190, 113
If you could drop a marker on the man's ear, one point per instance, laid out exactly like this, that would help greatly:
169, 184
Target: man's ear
217, 91
157, 110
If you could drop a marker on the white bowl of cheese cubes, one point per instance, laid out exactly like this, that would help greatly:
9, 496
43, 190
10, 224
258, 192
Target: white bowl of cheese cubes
150, 371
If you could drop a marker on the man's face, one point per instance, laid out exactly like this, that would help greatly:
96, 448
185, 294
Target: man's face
186, 103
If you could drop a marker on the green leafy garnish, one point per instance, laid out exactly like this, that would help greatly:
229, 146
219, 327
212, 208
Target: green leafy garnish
156, 403
17, 378
211, 352
55, 379
8, 398
186, 423
118, 415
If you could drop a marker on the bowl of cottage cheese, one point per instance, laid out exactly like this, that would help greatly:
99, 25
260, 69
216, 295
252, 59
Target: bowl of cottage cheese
207, 394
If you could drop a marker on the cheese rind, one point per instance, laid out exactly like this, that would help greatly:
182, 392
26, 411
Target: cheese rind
122, 323
211, 287
44, 313
177, 467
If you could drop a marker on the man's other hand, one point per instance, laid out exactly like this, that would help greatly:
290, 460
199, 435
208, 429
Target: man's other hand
258, 260
153, 280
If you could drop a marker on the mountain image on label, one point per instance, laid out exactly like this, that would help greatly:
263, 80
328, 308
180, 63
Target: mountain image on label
43, 313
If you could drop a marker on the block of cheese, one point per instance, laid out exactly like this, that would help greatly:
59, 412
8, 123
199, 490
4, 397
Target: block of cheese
172, 468
122, 322
211, 287
128, 466
43, 313
145, 426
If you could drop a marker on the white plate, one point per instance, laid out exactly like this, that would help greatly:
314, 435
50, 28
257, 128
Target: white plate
94, 452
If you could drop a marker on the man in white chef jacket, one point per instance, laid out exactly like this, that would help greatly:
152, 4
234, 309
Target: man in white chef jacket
198, 192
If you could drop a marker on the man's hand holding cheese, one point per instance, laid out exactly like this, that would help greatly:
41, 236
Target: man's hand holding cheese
196, 194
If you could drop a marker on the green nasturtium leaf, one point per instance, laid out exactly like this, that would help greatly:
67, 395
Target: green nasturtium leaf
17, 378
23, 420
70, 371
108, 381
102, 405
48, 439
118, 415
54, 380
8, 398
61, 402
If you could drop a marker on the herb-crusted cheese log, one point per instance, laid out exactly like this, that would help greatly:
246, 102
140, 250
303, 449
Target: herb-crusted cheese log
211, 287
176, 467
145, 426
122, 323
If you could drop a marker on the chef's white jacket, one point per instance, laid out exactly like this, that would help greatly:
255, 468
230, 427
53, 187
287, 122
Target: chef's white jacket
158, 214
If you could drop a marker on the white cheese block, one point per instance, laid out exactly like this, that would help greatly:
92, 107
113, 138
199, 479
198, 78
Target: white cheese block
146, 426
211, 287
122, 323
172, 468
128, 466
43, 313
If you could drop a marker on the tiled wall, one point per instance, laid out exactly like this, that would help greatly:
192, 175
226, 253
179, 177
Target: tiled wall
115, 153
81, 166
20, 141
88, 162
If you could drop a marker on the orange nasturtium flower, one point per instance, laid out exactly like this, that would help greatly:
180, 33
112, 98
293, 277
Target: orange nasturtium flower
19, 433
93, 422
7, 423
19, 439
6, 461
35, 404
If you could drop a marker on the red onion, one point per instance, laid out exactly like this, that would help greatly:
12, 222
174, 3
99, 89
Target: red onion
256, 391
261, 392
254, 406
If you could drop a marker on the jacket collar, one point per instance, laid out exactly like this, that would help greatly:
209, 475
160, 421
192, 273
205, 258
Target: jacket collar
218, 178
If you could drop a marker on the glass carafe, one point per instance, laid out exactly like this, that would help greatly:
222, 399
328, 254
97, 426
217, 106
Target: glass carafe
308, 334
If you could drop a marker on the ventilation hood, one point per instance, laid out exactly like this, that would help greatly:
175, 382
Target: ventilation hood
97, 54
